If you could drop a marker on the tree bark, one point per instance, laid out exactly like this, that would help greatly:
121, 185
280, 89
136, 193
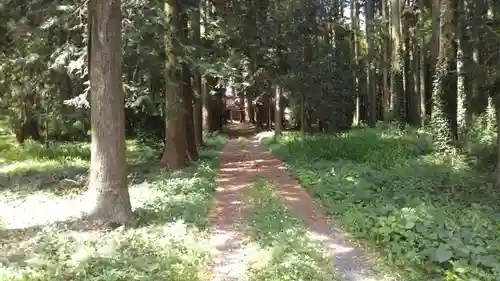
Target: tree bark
108, 187
370, 69
416, 106
277, 111
175, 146
386, 94
398, 94
443, 118
497, 173
242, 115
302, 114
187, 92
464, 68
197, 91
357, 90
410, 68
209, 103
423, 63
249, 106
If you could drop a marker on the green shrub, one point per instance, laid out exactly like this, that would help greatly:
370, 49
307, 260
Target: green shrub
433, 217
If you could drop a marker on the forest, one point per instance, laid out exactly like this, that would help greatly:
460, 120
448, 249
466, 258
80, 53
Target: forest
116, 117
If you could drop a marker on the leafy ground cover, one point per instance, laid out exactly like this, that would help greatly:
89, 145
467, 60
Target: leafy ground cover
433, 216
41, 237
285, 251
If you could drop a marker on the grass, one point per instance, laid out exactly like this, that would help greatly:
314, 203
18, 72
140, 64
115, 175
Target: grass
433, 216
36, 164
42, 239
287, 253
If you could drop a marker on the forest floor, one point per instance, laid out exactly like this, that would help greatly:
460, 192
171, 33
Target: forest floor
43, 238
266, 227
419, 214
410, 212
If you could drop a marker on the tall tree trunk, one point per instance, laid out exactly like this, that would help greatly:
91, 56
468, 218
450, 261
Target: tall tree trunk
423, 63
310, 18
249, 106
436, 11
434, 52
397, 94
209, 104
464, 66
304, 119
478, 57
409, 69
370, 69
497, 174
302, 114
217, 110
175, 146
197, 91
443, 119
187, 92
243, 111
277, 111
205, 108
108, 187
416, 106
386, 99
357, 90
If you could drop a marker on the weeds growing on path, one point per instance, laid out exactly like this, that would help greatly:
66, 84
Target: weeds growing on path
432, 216
287, 253
168, 244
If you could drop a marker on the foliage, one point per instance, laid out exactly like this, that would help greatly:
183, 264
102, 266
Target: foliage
433, 217
287, 252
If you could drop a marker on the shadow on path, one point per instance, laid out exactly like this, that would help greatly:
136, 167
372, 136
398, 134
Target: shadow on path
241, 165
236, 130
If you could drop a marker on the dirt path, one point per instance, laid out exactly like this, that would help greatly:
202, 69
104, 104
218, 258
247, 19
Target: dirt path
238, 172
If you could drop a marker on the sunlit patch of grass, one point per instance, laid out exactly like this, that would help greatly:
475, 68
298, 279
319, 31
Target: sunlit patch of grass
261, 136
186, 194
432, 215
171, 251
241, 140
59, 167
170, 242
287, 253
40, 166
215, 141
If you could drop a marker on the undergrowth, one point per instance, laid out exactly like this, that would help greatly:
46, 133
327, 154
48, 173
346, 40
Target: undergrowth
169, 242
287, 252
434, 216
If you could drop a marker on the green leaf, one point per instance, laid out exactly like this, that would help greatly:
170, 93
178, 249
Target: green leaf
488, 261
442, 254
409, 225
462, 252
421, 228
443, 233
384, 230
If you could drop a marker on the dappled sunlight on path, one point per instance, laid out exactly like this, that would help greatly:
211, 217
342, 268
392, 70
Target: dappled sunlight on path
348, 262
229, 252
242, 163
